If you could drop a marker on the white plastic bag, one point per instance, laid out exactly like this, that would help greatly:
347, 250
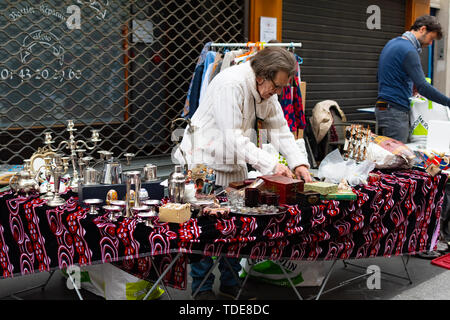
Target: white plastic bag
334, 169
112, 283
422, 112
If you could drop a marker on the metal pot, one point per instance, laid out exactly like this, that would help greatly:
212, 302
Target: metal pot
149, 173
177, 183
90, 176
23, 182
112, 173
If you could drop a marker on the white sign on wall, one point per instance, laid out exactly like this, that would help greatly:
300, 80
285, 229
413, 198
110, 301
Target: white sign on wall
267, 29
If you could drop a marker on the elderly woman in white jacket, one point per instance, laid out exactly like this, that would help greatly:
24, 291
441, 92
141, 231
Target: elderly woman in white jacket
220, 137
224, 122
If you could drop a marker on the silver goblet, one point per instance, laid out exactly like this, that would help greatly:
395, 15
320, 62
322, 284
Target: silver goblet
112, 211
153, 204
93, 203
144, 214
139, 210
122, 204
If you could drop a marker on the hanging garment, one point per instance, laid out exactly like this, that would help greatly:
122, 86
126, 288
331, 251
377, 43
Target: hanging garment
200, 61
194, 96
216, 70
299, 62
228, 60
245, 56
216, 66
292, 104
209, 60
322, 118
208, 66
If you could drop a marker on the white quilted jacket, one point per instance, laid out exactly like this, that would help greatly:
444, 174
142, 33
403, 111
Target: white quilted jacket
223, 129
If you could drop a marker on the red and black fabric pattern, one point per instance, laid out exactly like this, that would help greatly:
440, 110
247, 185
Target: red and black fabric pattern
399, 214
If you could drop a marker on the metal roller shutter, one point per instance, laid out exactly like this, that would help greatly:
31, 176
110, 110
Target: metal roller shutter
119, 66
340, 53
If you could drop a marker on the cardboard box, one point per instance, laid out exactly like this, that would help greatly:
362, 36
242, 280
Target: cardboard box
299, 133
303, 91
175, 212
285, 187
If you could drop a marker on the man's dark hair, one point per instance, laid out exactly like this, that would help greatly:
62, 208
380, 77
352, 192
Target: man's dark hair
430, 22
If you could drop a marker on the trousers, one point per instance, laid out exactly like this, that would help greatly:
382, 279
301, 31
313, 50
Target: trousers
393, 123
200, 269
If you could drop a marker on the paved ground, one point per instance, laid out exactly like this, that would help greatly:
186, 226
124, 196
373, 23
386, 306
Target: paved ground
429, 282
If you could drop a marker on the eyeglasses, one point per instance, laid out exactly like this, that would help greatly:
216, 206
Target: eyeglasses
275, 86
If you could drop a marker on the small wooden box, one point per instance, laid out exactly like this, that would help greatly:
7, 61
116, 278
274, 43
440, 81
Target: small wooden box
285, 187
308, 198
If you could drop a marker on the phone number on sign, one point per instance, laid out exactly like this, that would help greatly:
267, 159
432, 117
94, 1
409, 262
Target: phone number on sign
40, 74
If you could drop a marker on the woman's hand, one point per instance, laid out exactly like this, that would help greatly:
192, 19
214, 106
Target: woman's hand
303, 172
282, 170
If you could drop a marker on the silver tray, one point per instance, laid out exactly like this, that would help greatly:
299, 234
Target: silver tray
198, 204
250, 213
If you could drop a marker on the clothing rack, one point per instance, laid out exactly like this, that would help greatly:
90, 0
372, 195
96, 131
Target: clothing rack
257, 44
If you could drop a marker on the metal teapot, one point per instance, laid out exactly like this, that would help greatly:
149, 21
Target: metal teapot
112, 171
23, 181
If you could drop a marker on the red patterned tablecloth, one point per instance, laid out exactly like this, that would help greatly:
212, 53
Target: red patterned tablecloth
397, 215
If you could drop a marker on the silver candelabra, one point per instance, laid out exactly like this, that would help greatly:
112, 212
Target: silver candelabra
57, 169
75, 147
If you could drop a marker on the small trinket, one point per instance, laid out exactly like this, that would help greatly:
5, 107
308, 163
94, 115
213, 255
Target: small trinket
373, 177
143, 194
357, 140
132, 197
111, 196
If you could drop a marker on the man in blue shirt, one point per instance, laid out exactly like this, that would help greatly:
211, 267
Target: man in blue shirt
399, 69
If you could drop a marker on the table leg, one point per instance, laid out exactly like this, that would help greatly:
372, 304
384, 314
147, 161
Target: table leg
48, 280
290, 281
207, 275
163, 275
406, 269
245, 281
159, 275
408, 278
75, 286
325, 280
346, 282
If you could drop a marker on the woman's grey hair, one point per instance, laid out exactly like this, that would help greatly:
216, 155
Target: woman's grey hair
267, 62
